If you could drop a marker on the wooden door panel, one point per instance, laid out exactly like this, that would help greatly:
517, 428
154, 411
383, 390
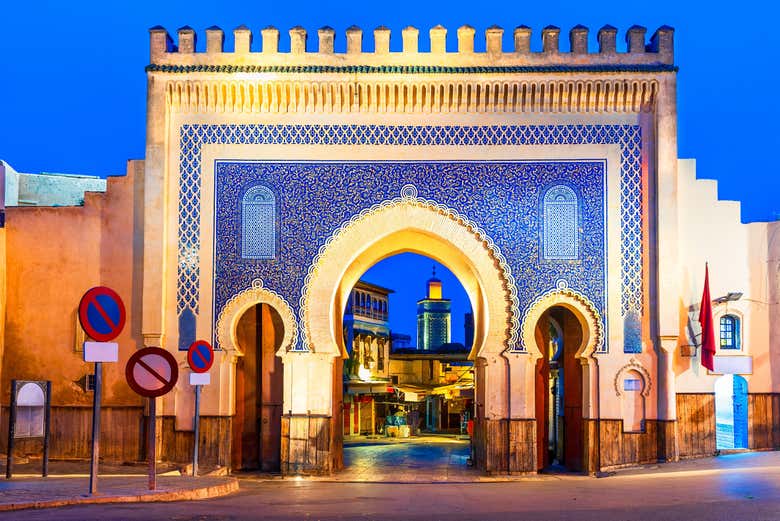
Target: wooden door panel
573, 438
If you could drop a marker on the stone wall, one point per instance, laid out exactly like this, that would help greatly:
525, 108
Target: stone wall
53, 256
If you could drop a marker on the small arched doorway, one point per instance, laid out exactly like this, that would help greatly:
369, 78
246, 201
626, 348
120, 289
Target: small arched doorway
731, 412
257, 424
559, 413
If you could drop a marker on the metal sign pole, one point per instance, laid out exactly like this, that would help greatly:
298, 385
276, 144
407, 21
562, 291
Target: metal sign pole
93, 467
152, 443
11, 431
197, 432
47, 430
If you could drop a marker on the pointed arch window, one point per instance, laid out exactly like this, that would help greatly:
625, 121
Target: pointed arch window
730, 332
560, 239
258, 223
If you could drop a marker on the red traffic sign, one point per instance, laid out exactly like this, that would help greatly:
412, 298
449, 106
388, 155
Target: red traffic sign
102, 313
200, 356
152, 372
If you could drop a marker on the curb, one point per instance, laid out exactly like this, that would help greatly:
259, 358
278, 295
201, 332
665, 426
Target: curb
194, 494
692, 472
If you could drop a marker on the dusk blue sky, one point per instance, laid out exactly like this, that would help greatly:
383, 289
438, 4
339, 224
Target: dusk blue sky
73, 86
407, 275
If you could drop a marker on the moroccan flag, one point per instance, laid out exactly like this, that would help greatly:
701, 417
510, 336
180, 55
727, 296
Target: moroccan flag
707, 328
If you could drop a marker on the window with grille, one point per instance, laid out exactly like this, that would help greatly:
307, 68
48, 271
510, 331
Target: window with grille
729, 332
560, 224
258, 223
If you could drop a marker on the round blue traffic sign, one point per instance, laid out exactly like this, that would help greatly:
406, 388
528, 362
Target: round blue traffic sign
200, 356
102, 313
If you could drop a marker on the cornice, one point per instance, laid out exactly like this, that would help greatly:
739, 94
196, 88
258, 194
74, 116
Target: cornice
418, 94
410, 69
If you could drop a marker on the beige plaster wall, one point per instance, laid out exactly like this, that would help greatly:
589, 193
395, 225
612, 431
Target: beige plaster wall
710, 231
773, 281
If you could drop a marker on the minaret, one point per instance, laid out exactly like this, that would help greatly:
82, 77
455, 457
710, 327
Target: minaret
433, 316
468, 329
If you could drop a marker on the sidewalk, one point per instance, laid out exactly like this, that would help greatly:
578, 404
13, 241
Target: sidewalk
732, 463
68, 484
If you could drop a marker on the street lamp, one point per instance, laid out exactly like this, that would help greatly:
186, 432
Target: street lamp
731, 296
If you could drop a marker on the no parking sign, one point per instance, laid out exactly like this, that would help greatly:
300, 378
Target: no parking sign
200, 356
102, 313
102, 316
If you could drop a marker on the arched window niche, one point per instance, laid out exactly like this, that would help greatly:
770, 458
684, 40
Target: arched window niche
560, 223
258, 223
633, 404
632, 384
730, 332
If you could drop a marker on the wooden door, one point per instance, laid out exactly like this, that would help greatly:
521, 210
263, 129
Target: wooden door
245, 442
270, 399
542, 409
257, 424
572, 392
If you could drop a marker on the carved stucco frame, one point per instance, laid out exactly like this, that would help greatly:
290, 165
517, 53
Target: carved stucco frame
237, 306
633, 365
494, 276
586, 312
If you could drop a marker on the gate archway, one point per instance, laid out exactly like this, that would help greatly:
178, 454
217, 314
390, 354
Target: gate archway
409, 224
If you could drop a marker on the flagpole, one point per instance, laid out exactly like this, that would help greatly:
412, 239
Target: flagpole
707, 328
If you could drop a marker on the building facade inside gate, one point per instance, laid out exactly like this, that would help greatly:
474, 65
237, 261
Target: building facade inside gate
547, 181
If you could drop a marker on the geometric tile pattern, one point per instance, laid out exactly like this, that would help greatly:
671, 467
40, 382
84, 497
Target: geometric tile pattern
560, 223
194, 136
500, 199
631, 220
409, 199
258, 223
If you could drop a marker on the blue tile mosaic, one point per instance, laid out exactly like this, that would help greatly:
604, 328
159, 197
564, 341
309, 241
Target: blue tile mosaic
632, 333
560, 223
258, 223
194, 136
317, 197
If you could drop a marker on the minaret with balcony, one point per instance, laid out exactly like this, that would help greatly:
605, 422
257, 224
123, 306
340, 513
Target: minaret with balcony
433, 317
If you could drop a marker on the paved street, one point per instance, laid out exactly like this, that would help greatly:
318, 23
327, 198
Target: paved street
736, 487
424, 459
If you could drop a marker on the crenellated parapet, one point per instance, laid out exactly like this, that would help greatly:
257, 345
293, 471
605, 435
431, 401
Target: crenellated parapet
260, 78
656, 54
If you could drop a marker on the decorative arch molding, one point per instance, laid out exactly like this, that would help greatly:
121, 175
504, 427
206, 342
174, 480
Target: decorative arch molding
239, 303
585, 311
497, 295
633, 365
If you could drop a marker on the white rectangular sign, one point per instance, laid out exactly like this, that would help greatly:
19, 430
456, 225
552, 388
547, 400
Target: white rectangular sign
101, 351
733, 365
200, 378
